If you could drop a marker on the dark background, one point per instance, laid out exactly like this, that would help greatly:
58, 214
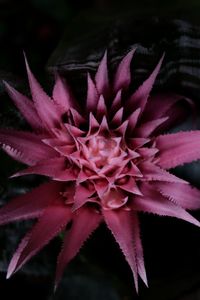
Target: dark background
45, 30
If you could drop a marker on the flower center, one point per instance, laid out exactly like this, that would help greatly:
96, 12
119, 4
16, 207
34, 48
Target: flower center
102, 150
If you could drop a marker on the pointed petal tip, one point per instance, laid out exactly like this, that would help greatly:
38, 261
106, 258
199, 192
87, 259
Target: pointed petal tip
5, 83
140, 97
128, 57
163, 55
8, 275
11, 269
89, 76
55, 287
123, 73
26, 61
25, 106
158, 66
7, 86
132, 51
13, 176
136, 288
145, 282
31, 77
101, 77
105, 56
28, 70
103, 63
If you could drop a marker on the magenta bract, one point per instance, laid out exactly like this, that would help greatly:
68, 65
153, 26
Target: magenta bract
107, 161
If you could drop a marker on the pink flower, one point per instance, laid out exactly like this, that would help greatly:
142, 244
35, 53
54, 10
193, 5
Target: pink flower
107, 161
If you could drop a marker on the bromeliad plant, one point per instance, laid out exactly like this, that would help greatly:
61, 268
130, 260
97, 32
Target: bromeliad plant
106, 162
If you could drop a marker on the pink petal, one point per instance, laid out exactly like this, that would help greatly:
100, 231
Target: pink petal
77, 118
101, 107
81, 195
16, 154
62, 135
101, 78
178, 148
46, 109
74, 131
133, 154
117, 119
184, 195
147, 152
31, 204
66, 150
92, 95
53, 220
116, 104
133, 118
138, 142
122, 128
56, 142
177, 114
85, 221
139, 248
140, 97
134, 171
62, 94
130, 186
123, 74
101, 185
49, 167
153, 202
26, 107
93, 125
104, 125
84, 174
146, 129
163, 102
151, 172
69, 174
29, 146
17, 254
120, 223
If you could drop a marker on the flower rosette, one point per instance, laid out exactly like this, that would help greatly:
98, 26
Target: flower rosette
107, 161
